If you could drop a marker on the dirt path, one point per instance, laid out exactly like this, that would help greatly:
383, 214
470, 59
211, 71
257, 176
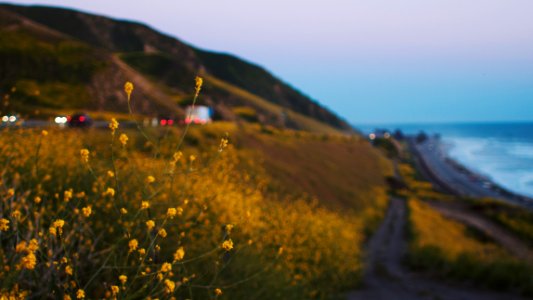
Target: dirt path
385, 278
514, 245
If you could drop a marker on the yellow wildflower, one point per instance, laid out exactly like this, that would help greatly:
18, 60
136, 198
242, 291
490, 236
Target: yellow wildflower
223, 144
192, 158
179, 210
128, 88
199, 81
162, 233
21, 247
123, 139
33, 245
115, 289
84, 153
150, 179
227, 245
68, 270
171, 212
109, 192
166, 267
218, 292
52, 231
169, 286
110, 173
177, 156
44, 133
10, 192
66, 297
80, 294
57, 227
145, 204
123, 211
113, 125
86, 211
179, 254
67, 195
133, 244
142, 251
123, 279
150, 224
29, 261
229, 227
37, 200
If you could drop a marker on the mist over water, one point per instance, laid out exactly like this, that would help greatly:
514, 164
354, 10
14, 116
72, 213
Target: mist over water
502, 152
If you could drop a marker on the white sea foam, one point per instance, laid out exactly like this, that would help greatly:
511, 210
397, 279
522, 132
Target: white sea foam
508, 163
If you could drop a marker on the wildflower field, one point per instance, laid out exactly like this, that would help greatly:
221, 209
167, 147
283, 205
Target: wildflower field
150, 213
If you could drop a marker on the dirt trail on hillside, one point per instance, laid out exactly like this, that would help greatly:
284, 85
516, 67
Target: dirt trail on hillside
385, 277
512, 244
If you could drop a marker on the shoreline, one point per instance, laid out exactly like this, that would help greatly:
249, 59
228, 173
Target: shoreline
450, 176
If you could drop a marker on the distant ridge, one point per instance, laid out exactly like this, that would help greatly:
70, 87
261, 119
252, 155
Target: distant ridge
65, 59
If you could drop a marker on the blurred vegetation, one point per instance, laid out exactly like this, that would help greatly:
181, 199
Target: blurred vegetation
453, 250
283, 245
514, 218
50, 74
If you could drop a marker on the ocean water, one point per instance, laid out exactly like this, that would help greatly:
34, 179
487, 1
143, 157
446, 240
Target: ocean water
501, 151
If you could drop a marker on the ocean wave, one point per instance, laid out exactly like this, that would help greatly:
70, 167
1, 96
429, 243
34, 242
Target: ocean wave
506, 162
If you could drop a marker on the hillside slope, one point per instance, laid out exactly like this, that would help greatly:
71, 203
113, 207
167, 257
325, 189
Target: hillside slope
65, 59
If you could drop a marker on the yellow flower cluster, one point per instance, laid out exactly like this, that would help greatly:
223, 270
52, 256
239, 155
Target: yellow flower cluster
30, 260
123, 279
133, 245
227, 245
4, 224
199, 82
109, 192
123, 138
171, 213
128, 88
113, 125
145, 204
57, 227
87, 211
150, 224
179, 254
84, 155
170, 286
223, 144
166, 267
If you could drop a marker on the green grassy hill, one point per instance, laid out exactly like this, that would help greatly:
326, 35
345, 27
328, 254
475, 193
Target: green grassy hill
64, 59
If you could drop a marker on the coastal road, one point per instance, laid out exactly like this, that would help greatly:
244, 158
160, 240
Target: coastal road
434, 164
386, 278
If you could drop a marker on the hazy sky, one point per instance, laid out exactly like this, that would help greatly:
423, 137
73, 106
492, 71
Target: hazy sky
370, 61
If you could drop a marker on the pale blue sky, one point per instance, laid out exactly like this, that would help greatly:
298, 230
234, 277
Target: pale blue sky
370, 61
